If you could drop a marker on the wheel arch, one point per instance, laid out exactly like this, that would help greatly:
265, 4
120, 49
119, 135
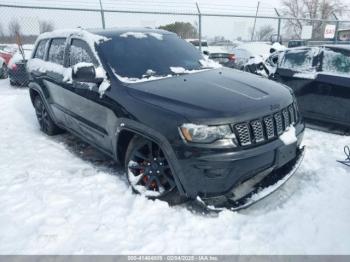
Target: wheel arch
130, 128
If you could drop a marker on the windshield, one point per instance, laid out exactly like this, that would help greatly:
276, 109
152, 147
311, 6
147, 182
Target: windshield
138, 55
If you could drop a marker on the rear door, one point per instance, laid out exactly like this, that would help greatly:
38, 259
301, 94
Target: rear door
54, 78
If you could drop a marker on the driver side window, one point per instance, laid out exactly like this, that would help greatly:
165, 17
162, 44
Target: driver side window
80, 52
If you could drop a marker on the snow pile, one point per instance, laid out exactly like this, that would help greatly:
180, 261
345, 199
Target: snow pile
278, 47
140, 35
307, 75
81, 65
130, 80
255, 60
46, 66
89, 37
17, 57
289, 137
55, 200
209, 63
178, 70
156, 35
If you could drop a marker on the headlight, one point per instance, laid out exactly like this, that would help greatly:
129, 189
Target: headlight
205, 134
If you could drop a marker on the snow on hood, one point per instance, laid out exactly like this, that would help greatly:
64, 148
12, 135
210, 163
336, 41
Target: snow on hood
206, 63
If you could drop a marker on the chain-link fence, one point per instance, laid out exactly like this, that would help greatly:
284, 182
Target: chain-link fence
209, 22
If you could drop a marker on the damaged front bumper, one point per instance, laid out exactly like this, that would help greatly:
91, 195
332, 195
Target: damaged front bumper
256, 188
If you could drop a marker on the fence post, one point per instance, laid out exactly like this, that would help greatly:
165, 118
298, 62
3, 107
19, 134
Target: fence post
199, 27
102, 16
278, 25
336, 29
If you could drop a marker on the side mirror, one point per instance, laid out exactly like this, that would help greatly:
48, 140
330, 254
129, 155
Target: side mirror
206, 52
85, 72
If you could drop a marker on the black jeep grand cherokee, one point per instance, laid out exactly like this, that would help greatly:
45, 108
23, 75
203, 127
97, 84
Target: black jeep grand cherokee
181, 126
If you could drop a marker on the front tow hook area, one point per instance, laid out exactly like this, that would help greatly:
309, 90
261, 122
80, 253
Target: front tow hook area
252, 190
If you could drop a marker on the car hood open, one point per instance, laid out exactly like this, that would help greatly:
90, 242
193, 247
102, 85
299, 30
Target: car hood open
213, 96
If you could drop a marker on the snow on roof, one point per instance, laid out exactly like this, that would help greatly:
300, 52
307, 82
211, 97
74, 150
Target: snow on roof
89, 37
140, 35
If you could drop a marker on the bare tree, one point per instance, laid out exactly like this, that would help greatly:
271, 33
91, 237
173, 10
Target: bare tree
14, 28
310, 9
46, 26
264, 33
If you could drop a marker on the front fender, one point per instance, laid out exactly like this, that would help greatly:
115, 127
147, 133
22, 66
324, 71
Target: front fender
149, 133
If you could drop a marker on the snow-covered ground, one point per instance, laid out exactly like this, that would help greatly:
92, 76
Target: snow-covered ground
59, 196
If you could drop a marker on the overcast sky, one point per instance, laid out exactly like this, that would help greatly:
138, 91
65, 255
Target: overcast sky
231, 28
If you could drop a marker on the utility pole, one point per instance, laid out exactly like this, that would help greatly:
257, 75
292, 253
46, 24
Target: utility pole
256, 14
102, 15
199, 27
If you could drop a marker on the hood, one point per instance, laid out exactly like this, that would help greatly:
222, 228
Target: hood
215, 96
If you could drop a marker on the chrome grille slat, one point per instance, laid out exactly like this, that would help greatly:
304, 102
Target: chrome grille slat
292, 114
243, 134
279, 123
270, 127
266, 128
257, 131
286, 120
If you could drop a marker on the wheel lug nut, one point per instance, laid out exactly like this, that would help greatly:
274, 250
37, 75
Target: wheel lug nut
154, 159
149, 164
158, 172
150, 172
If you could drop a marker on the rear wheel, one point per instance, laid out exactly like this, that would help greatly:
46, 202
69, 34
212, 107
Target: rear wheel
148, 171
45, 121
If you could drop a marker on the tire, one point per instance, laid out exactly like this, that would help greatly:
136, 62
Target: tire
4, 71
13, 83
45, 121
148, 171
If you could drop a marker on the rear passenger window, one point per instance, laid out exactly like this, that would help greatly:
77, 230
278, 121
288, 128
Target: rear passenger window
80, 52
40, 50
56, 51
336, 61
300, 59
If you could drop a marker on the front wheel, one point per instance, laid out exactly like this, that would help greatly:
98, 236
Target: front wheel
148, 171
